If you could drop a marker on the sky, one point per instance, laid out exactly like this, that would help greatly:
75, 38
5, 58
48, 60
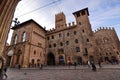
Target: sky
103, 13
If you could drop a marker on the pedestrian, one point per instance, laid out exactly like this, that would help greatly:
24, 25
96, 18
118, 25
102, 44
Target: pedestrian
19, 66
41, 66
69, 63
4, 73
89, 64
93, 66
75, 64
99, 63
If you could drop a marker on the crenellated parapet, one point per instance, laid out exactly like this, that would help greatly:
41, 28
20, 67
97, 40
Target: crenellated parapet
69, 25
104, 28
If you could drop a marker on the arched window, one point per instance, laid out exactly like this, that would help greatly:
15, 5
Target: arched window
76, 40
61, 44
75, 32
54, 44
34, 52
24, 37
50, 46
67, 42
68, 34
77, 49
15, 39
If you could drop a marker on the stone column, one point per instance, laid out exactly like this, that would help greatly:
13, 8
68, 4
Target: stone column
7, 9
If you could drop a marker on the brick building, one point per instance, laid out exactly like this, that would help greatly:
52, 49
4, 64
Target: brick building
76, 42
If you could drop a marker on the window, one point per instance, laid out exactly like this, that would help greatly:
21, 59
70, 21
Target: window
60, 35
87, 40
68, 34
67, 42
83, 12
77, 49
75, 32
110, 53
50, 46
61, 44
34, 52
79, 23
78, 14
54, 45
117, 53
86, 51
60, 51
39, 44
52, 37
48, 38
76, 40
24, 37
15, 39
83, 31
106, 54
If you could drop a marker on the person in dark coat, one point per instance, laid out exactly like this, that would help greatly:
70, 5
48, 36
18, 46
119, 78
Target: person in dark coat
75, 64
93, 66
19, 66
99, 63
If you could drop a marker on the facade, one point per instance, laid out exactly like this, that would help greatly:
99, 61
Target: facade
27, 45
7, 9
108, 47
32, 45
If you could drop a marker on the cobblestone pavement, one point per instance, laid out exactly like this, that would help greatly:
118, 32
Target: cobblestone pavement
108, 72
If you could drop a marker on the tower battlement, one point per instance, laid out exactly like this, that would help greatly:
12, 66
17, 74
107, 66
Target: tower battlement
69, 25
104, 28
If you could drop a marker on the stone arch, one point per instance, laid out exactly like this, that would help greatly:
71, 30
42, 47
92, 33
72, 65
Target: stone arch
50, 59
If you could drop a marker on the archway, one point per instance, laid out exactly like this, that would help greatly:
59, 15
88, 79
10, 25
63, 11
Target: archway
38, 63
107, 59
114, 60
61, 60
32, 62
79, 60
50, 59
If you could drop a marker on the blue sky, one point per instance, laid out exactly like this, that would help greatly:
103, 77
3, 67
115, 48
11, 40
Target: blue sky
103, 13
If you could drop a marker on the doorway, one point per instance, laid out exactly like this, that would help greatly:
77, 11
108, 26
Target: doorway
61, 60
50, 59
